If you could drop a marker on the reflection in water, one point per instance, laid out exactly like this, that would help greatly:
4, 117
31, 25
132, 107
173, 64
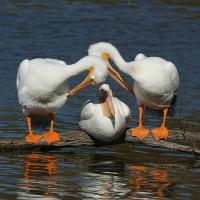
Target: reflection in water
94, 173
104, 181
145, 180
38, 177
167, 28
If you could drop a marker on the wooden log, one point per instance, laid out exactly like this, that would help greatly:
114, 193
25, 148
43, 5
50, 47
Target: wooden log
185, 142
180, 141
68, 139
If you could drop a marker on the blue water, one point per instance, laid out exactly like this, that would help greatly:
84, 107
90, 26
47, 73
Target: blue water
64, 30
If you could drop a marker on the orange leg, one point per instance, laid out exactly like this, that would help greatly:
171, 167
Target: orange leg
140, 132
51, 136
31, 138
162, 131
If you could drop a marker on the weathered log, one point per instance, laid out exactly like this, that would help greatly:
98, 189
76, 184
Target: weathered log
186, 142
181, 141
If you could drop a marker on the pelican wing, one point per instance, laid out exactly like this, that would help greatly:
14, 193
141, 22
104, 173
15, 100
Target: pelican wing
126, 111
174, 75
23, 67
123, 109
56, 61
87, 111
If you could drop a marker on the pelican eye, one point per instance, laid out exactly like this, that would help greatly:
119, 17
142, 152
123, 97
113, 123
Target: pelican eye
93, 79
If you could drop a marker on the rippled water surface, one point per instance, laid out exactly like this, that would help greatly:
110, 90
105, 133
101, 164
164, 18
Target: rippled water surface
64, 30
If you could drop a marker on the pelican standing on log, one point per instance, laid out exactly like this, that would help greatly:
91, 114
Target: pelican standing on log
43, 88
156, 83
106, 119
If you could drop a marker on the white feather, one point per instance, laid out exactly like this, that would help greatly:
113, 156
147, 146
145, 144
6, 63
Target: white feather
101, 127
156, 80
43, 83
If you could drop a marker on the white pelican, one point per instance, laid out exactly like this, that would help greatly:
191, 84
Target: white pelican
43, 87
106, 119
155, 83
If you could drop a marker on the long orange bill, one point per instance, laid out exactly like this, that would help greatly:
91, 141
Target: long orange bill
85, 83
110, 104
117, 77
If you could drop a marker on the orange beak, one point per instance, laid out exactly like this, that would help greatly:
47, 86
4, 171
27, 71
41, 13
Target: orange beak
110, 104
116, 76
85, 83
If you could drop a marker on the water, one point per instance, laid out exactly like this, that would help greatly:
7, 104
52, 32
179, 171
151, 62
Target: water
64, 30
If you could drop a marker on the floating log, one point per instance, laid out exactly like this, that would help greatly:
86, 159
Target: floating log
177, 140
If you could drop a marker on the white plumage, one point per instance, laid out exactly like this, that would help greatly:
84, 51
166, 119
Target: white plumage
43, 83
156, 80
96, 119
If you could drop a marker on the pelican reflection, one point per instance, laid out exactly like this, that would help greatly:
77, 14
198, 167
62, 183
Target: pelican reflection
147, 181
39, 180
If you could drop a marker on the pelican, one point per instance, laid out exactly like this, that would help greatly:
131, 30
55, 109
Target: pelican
106, 119
156, 82
42, 86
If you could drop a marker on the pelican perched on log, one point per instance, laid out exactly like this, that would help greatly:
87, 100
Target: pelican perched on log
106, 119
43, 88
156, 82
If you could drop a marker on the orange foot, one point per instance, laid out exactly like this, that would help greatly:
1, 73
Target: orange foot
32, 138
160, 133
51, 137
139, 132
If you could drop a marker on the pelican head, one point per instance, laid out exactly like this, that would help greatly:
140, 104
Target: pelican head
97, 72
106, 50
106, 97
104, 90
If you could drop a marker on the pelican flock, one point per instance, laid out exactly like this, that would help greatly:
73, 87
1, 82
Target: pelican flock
156, 82
43, 88
106, 118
